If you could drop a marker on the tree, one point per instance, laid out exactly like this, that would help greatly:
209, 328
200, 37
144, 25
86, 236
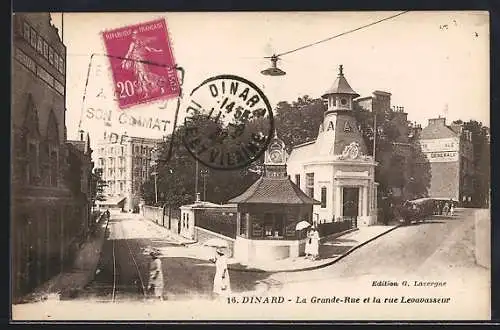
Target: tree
97, 186
177, 173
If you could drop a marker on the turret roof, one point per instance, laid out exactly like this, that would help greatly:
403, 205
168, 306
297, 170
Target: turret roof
340, 86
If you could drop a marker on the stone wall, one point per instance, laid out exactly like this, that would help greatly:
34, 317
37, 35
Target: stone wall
203, 235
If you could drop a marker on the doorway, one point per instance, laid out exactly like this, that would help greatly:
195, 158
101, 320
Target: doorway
351, 202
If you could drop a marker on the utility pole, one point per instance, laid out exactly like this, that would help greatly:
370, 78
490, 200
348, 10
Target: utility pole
196, 181
204, 175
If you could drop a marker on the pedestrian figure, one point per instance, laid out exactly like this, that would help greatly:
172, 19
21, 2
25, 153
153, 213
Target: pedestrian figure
222, 285
308, 250
452, 210
446, 209
315, 243
155, 286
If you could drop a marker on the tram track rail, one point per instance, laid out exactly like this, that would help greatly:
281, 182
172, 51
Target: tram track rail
113, 282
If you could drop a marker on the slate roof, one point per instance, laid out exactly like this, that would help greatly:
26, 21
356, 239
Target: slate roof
273, 191
437, 131
340, 86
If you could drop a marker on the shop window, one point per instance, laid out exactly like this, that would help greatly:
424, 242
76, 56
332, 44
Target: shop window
323, 197
273, 225
310, 184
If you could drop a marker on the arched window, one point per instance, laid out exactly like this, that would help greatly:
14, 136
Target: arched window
323, 197
30, 137
53, 143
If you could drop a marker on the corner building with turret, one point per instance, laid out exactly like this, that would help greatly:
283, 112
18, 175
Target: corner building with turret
336, 168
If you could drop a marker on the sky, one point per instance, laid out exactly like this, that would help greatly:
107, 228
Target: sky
430, 69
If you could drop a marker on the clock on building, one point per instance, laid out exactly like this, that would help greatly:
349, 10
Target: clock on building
276, 156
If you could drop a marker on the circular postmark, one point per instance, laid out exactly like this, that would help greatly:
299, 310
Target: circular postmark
229, 122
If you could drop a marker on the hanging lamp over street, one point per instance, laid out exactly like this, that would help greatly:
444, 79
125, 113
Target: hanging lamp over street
273, 70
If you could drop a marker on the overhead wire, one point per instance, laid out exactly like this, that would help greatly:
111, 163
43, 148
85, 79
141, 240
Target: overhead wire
339, 35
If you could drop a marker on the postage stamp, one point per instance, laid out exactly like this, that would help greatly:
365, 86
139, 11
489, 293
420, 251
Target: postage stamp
142, 63
229, 122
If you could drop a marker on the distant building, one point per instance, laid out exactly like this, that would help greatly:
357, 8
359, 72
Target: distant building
336, 168
48, 217
398, 156
126, 165
81, 161
449, 150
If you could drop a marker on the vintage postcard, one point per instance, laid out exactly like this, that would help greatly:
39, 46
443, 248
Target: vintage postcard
250, 166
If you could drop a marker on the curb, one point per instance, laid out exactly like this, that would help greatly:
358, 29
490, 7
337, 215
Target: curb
91, 277
254, 270
176, 236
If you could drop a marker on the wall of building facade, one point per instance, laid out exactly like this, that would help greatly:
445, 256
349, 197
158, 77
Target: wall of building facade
126, 166
47, 218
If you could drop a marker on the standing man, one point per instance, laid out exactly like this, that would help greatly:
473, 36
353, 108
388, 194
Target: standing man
155, 286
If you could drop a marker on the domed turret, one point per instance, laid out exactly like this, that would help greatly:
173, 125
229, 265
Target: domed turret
340, 96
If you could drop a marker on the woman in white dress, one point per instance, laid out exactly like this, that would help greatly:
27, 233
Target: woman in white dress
314, 243
155, 285
222, 285
308, 250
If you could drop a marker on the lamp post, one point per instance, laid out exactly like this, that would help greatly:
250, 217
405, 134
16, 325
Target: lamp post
204, 174
154, 161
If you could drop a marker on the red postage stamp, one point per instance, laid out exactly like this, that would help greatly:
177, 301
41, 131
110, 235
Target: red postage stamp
142, 63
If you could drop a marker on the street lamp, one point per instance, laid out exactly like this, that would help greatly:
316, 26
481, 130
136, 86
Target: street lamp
273, 70
204, 174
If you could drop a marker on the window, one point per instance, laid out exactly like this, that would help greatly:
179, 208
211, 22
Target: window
56, 61
323, 197
33, 38
297, 180
53, 168
61, 64
310, 184
39, 45
274, 225
32, 163
26, 31
51, 55
243, 225
45, 49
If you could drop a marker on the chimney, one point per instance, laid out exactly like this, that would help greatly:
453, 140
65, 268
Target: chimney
437, 121
81, 135
382, 101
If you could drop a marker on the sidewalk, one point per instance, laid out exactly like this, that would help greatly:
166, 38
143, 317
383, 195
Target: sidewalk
81, 272
164, 231
331, 250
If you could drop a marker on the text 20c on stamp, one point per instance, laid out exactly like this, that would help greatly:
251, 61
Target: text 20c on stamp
229, 122
142, 63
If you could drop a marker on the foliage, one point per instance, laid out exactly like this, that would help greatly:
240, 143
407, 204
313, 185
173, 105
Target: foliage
177, 175
297, 122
